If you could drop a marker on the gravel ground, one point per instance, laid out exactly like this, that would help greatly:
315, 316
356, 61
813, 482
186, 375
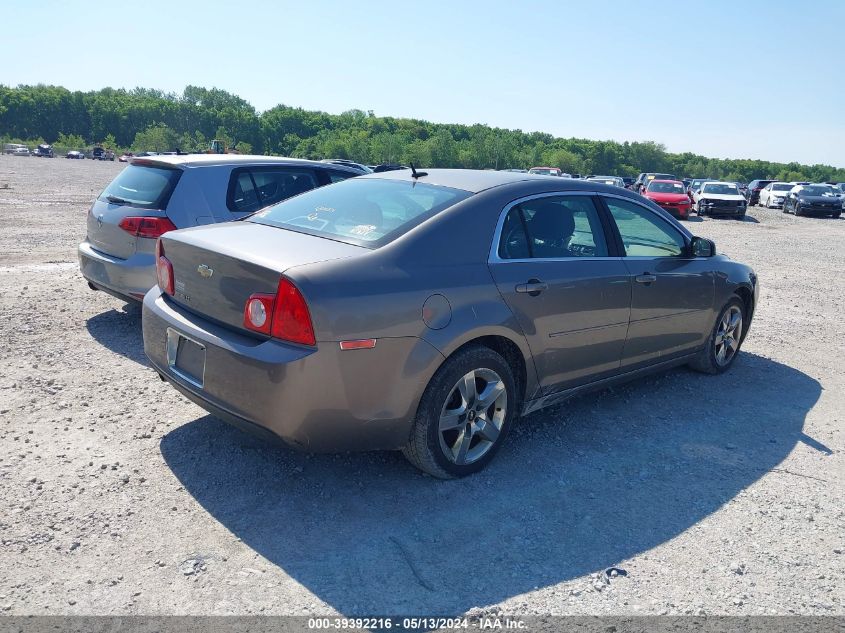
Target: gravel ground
716, 495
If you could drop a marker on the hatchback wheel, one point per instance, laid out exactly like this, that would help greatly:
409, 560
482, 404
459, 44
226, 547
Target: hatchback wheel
724, 341
464, 414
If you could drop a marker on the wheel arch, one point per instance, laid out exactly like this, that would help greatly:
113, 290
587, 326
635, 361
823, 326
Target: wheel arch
521, 365
746, 295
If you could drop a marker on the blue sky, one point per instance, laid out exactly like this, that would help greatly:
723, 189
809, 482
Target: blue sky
725, 79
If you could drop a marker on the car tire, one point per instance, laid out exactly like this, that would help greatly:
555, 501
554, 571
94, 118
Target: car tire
698, 210
835, 216
438, 444
711, 360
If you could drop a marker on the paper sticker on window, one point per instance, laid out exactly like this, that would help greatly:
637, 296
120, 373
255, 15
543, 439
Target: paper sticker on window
362, 229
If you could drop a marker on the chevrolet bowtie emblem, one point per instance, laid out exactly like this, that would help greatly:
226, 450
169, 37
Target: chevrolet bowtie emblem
205, 271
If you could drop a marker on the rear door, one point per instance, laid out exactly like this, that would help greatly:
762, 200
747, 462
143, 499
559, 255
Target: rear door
672, 292
552, 265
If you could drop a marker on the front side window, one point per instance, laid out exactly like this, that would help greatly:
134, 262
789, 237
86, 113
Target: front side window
643, 233
551, 228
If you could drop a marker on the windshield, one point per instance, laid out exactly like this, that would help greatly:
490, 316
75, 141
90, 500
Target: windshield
368, 212
719, 188
666, 187
782, 187
544, 172
817, 190
142, 186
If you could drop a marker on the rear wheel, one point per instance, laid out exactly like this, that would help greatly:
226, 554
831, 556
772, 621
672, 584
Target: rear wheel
724, 341
464, 415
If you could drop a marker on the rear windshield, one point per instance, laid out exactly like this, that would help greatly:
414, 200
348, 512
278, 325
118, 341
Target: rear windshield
666, 187
142, 186
365, 212
720, 188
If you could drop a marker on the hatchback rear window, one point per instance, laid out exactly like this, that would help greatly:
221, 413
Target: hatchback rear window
142, 186
367, 212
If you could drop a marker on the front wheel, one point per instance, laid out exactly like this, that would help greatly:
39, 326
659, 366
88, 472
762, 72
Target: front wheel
724, 341
464, 415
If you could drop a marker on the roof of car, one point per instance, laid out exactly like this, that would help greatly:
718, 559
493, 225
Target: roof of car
676, 182
477, 180
204, 160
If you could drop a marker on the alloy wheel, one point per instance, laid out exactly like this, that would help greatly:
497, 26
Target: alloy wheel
472, 417
728, 336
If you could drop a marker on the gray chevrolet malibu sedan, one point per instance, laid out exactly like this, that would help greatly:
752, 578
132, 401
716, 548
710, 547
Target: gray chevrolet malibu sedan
426, 311
157, 194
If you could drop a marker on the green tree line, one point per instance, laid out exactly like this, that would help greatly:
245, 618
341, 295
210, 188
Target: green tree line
152, 120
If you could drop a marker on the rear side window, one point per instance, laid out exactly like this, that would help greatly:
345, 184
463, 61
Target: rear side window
551, 228
363, 211
254, 188
338, 176
142, 186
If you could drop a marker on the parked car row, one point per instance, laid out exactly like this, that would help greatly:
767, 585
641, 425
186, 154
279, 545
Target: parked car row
298, 299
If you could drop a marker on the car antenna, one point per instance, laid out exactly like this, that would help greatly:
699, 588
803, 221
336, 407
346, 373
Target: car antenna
417, 174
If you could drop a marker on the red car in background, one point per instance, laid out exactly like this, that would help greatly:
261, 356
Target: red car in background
671, 195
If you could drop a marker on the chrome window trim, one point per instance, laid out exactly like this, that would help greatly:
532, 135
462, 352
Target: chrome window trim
493, 257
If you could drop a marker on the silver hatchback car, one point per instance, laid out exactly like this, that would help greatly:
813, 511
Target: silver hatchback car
157, 194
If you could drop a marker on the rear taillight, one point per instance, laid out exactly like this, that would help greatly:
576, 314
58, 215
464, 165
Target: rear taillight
258, 313
164, 270
283, 316
152, 227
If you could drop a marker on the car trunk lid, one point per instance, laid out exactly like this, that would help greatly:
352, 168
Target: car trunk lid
216, 268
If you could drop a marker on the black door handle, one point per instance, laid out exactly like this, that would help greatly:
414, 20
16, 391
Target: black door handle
645, 278
532, 287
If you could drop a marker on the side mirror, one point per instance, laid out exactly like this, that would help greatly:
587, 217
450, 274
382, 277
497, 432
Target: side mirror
702, 247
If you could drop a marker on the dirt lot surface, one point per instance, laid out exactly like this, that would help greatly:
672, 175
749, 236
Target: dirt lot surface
716, 495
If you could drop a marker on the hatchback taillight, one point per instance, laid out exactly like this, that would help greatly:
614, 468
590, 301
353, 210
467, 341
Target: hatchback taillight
152, 227
164, 270
284, 316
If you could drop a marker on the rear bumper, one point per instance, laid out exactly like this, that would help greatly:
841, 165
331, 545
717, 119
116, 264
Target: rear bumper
320, 400
125, 278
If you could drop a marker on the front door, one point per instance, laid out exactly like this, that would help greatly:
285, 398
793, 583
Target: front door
571, 298
672, 292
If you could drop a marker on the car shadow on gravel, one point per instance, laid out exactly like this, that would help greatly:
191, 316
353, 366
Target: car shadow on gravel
576, 489
120, 331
